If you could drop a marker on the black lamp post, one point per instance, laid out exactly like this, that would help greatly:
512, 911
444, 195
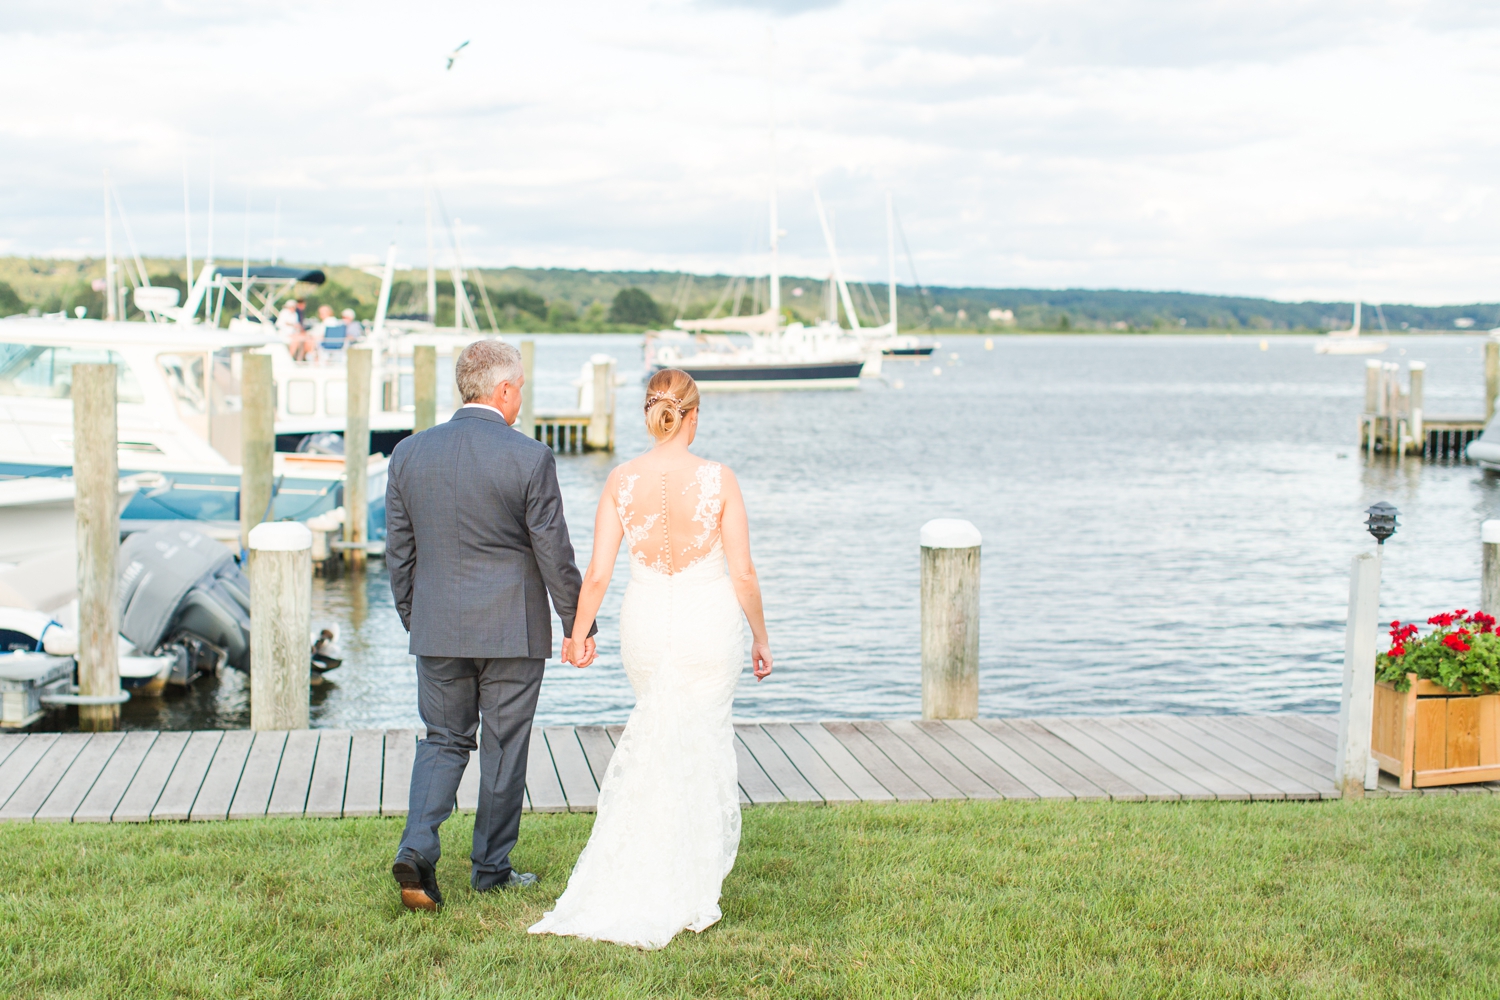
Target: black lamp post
1382, 521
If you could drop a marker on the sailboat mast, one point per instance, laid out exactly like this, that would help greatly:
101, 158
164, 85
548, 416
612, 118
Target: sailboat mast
431, 267
775, 281
187, 230
890, 253
109, 256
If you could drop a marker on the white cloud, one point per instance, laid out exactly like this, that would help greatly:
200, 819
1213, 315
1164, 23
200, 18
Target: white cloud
1270, 148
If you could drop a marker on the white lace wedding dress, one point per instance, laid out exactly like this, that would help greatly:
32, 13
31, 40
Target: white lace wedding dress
668, 825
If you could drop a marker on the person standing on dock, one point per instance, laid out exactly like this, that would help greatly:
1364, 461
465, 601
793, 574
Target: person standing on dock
475, 543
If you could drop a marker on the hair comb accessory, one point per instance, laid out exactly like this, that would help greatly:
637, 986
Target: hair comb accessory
657, 397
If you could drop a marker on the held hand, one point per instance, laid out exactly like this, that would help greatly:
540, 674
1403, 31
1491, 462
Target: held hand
760, 658
567, 649
590, 651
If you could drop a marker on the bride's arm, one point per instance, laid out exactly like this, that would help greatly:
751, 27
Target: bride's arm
735, 531
607, 536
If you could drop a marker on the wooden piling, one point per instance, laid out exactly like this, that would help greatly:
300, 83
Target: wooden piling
357, 459
1489, 580
1356, 705
1491, 376
950, 619
1418, 377
257, 443
600, 435
96, 503
424, 386
527, 423
280, 624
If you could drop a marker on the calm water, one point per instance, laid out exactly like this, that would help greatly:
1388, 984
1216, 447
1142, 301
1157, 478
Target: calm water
1167, 525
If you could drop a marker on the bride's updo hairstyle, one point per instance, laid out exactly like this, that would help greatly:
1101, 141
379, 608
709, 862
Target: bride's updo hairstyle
670, 396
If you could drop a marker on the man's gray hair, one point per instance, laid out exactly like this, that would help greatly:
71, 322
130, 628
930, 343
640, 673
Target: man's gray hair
482, 366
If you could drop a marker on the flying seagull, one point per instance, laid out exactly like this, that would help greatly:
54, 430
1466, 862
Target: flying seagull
453, 56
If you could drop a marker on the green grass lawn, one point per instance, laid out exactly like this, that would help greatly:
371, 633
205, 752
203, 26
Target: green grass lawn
1397, 898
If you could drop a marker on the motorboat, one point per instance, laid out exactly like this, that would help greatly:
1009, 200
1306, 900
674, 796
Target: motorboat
1348, 341
36, 513
178, 418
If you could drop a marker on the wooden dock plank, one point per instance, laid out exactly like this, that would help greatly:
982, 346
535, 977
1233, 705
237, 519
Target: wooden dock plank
179, 790
223, 779
543, 787
468, 785
988, 778
1016, 767
1029, 750
325, 791
755, 784
909, 761
615, 732
366, 772
874, 760
395, 782
1291, 745
597, 749
778, 767
294, 777
20, 762
1258, 758
573, 771
1319, 733
1183, 760
99, 805
258, 777
44, 776
1223, 756
824, 779
1080, 763
1328, 723
1121, 758
837, 756
9, 742
71, 789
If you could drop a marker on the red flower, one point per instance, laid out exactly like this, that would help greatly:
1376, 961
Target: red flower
1442, 621
1398, 651
1395, 624
1455, 643
1461, 612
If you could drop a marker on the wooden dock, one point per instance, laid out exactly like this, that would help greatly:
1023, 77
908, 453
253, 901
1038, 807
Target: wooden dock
242, 774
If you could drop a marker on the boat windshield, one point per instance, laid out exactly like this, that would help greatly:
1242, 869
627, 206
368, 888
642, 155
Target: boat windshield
46, 372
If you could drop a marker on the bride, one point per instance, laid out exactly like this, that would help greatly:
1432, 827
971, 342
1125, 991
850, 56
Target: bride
668, 825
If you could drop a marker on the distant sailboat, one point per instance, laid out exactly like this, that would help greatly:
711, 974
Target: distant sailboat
1347, 341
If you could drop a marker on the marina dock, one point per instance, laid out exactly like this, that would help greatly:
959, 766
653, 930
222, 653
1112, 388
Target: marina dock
243, 774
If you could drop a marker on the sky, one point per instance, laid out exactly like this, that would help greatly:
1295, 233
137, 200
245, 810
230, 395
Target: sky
1294, 150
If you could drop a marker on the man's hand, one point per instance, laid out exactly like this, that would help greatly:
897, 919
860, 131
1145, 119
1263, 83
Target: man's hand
579, 657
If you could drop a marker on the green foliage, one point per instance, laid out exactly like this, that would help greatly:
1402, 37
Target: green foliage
1382, 898
514, 300
1462, 652
10, 302
561, 314
631, 305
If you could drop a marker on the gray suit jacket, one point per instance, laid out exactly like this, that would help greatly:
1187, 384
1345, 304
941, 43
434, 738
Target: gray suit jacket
475, 540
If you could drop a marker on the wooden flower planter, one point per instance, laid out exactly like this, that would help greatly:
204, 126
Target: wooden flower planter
1432, 736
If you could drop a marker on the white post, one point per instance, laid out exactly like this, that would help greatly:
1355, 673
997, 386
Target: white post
950, 619
1489, 583
280, 624
1356, 704
109, 256
527, 424
1414, 401
357, 456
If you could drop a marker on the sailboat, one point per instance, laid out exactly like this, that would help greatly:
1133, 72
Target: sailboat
1347, 341
778, 356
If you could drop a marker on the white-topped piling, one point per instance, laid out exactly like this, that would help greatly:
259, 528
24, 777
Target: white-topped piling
280, 624
357, 457
950, 619
1489, 579
96, 475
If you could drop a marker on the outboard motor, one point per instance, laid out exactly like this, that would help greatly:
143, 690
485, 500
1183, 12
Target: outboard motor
181, 588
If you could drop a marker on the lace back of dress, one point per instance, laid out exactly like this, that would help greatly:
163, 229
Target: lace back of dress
671, 519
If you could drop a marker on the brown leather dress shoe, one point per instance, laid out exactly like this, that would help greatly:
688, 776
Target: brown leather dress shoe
418, 881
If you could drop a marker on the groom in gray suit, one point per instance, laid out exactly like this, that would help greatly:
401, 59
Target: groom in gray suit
475, 543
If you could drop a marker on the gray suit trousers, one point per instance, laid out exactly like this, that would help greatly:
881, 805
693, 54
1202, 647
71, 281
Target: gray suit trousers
453, 694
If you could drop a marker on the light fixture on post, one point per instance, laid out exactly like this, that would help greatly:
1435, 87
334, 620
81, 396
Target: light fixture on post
1381, 521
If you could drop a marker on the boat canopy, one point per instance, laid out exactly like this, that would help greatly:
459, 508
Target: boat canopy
766, 322
264, 272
